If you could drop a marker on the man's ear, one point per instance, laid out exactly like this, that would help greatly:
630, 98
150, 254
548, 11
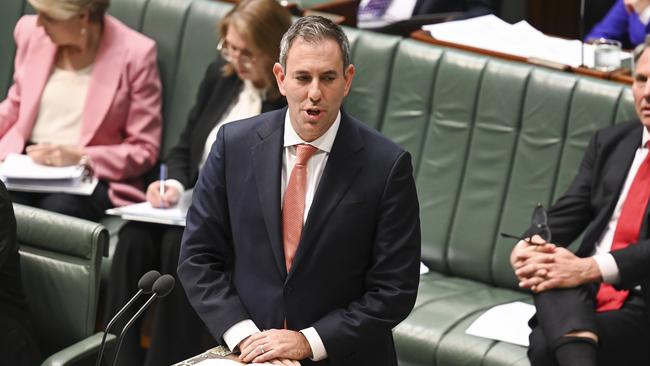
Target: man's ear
278, 71
348, 75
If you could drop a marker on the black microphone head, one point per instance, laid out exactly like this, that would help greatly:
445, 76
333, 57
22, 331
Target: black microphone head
164, 285
147, 280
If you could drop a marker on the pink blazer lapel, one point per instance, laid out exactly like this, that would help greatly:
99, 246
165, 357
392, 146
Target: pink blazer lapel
104, 82
36, 71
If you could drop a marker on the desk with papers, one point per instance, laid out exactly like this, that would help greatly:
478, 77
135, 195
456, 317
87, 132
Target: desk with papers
520, 42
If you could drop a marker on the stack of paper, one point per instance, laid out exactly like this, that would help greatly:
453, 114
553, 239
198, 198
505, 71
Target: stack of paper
21, 173
521, 39
147, 213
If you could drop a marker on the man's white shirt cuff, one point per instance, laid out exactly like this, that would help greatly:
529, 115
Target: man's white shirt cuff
608, 268
239, 332
316, 343
644, 17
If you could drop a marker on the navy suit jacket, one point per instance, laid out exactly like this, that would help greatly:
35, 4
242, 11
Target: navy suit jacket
591, 198
356, 270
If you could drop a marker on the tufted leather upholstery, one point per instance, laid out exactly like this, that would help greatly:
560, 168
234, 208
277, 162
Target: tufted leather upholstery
489, 139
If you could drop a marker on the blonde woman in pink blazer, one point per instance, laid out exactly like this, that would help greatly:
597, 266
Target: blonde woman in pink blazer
86, 91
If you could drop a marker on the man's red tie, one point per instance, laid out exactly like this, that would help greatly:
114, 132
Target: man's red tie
293, 209
627, 232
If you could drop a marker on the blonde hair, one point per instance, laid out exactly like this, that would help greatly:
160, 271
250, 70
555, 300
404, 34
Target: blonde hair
66, 9
261, 23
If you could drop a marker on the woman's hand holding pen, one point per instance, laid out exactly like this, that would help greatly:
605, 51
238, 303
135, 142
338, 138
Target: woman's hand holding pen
168, 199
55, 155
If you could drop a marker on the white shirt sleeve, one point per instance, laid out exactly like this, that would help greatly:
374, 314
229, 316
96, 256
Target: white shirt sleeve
239, 332
644, 17
608, 268
316, 343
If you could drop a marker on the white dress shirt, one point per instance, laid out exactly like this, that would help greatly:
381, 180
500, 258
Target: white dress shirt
606, 263
315, 167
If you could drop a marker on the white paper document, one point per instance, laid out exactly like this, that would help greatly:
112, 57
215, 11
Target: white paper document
489, 32
20, 173
147, 213
507, 323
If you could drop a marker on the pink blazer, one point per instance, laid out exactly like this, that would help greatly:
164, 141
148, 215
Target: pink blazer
121, 122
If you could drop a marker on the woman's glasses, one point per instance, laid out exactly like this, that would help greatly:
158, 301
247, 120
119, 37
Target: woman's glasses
233, 54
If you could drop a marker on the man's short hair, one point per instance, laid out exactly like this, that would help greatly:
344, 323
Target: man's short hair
638, 50
313, 29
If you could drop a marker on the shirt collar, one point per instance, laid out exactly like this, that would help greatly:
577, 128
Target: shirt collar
323, 143
646, 137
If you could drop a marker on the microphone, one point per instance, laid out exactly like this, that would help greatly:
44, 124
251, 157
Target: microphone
161, 288
145, 285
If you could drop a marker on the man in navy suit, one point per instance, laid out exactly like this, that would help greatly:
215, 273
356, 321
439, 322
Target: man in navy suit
592, 306
303, 239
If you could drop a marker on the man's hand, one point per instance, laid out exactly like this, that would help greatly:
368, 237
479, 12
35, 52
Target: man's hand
55, 155
275, 344
533, 250
636, 6
169, 199
560, 269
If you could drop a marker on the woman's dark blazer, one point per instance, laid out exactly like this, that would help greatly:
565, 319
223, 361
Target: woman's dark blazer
215, 95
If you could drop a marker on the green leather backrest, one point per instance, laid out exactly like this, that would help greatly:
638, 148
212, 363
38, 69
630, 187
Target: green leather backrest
130, 12
489, 138
197, 50
10, 12
372, 56
164, 22
60, 260
408, 104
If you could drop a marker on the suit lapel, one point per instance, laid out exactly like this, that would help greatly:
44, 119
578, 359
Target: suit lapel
613, 181
267, 167
339, 173
104, 81
39, 67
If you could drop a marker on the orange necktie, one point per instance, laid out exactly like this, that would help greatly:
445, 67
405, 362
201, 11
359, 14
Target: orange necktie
293, 210
627, 232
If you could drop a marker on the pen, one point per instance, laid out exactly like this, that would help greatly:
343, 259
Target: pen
163, 177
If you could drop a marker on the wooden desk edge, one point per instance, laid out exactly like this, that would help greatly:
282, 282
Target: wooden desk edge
616, 76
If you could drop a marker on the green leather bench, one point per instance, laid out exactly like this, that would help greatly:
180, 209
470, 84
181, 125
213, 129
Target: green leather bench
60, 262
489, 139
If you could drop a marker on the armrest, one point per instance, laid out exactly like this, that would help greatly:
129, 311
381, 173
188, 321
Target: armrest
79, 350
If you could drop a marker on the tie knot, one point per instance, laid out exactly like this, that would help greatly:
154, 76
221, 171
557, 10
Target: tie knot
303, 153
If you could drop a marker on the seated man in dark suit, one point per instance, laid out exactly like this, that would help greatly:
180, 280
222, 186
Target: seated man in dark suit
303, 239
592, 306
17, 345
379, 13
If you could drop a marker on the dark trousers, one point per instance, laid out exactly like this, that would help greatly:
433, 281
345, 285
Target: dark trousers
85, 207
624, 335
177, 332
17, 343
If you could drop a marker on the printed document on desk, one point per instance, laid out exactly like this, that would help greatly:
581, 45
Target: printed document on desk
21, 173
145, 212
521, 39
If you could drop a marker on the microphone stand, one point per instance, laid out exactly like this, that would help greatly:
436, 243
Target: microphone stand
151, 299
